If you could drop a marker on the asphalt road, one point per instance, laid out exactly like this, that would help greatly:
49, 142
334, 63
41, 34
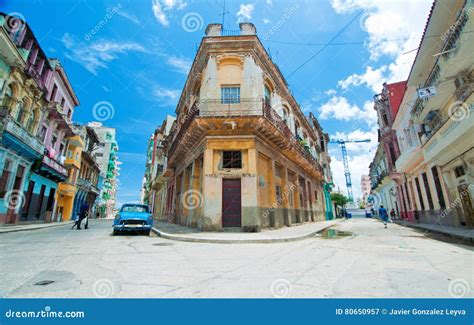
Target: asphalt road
374, 262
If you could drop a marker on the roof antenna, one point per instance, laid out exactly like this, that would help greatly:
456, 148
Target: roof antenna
223, 15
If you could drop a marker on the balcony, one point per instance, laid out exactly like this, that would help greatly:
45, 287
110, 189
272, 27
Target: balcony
263, 118
22, 140
52, 169
87, 186
63, 122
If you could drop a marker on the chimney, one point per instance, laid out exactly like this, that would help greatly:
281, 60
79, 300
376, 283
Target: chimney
214, 30
247, 29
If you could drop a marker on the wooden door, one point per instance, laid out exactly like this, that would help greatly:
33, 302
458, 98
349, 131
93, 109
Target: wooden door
231, 202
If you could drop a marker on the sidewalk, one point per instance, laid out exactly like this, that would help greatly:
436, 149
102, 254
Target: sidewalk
461, 233
285, 234
32, 226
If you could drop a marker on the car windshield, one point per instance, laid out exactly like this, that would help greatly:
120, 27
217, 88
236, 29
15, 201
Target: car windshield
134, 208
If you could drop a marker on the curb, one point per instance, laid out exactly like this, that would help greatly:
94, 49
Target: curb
40, 226
464, 238
237, 241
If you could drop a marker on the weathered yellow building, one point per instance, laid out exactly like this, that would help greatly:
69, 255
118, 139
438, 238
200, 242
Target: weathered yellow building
67, 190
241, 153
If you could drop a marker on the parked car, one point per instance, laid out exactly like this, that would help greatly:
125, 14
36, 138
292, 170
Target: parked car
133, 217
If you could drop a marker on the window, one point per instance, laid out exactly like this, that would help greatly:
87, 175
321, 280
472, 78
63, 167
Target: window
384, 119
53, 141
459, 171
232, 159
54, 92
267, 94
63, 102
5, 178
42, 133
230, 95
278, 194
21, 113
428, 192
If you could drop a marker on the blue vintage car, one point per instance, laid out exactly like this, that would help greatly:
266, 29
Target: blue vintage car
133, 217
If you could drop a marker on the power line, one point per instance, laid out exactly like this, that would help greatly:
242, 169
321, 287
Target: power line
321, 49
353, 43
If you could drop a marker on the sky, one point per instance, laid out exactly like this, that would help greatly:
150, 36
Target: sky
128, 61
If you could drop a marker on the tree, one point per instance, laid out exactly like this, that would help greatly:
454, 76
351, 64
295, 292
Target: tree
339, 199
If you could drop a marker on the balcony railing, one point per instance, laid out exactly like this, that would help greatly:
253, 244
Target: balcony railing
247, 107
55, 165
24, 136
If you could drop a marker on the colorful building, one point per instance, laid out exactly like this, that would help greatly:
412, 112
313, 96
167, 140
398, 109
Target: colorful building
105, 154
241, 153
435, 131
88, 179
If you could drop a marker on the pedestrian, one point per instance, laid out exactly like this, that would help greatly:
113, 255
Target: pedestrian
81, 217
392, 214
383, 215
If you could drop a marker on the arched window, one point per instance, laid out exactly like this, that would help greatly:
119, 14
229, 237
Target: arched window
20, 112
297, 126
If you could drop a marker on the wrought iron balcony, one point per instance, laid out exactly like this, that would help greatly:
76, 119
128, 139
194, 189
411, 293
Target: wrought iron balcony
57, 166
246, 107
24, 136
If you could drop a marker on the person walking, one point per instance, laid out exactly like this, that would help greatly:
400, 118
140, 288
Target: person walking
82, 216
392, 215
383, 215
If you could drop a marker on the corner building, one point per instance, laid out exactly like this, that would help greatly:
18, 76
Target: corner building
241, 154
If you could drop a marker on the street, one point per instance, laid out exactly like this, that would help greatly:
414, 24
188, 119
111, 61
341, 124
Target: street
374, 262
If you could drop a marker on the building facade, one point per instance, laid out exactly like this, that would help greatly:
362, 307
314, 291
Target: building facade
365, 186
241, 153
435, 132
383, 173
88, 179
106, 156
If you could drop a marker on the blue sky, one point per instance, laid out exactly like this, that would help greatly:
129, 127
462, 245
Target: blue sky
137, 58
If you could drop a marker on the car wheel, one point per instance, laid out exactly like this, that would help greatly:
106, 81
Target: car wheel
115, 232
147, 232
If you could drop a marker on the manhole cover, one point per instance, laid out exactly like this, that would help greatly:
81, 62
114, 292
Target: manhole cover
163, 244
44, 283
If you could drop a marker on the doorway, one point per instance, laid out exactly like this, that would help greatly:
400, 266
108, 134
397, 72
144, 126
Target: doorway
231, 202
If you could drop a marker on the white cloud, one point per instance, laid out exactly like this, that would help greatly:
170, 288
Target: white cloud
266, 21
129, 16
181, 65
96, 55
373, 79
339, 108
162, 8
245, 12
390, 33
270, 2
165, 95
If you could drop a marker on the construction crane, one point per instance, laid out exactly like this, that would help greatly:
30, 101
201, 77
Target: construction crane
345, 161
